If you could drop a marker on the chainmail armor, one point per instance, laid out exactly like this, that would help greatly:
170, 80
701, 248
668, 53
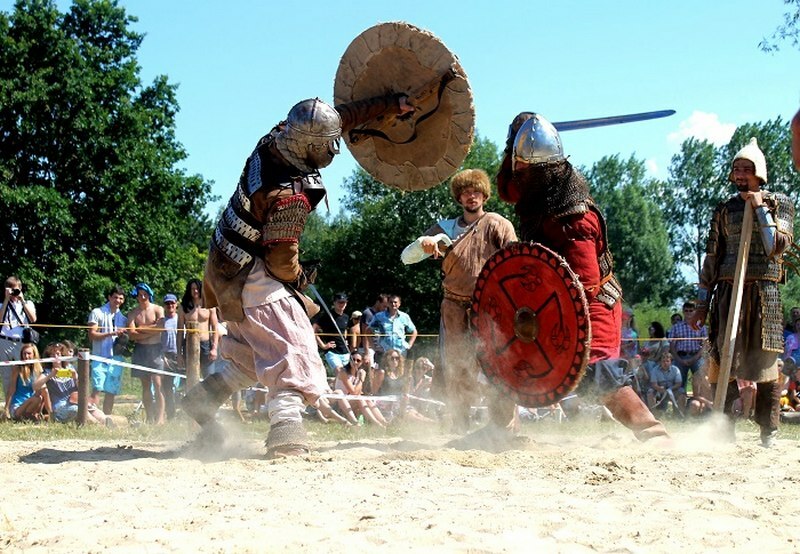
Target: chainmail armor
771, 317
542, 182
286, 220
557, 190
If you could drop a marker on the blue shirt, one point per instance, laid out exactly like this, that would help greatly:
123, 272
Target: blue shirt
392, 330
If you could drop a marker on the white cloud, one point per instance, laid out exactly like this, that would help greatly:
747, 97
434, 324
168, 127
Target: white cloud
651, 166
703, 126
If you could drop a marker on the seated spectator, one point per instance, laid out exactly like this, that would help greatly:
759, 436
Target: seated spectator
394, 382
790, 395
629, 348
745, 405
349, 381
666, 379
421, 378
388, 378
699, 406
653, 348
61, 384
23, 402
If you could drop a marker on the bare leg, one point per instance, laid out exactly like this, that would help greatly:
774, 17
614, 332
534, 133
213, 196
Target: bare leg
158, 401
147, 398
325, 412
368, 414
108, 403
344, 405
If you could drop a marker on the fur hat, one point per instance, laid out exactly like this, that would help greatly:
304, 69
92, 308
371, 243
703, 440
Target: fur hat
753, 153
470, 178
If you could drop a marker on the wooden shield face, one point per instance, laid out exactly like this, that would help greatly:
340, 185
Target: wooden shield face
423, 149
531, 318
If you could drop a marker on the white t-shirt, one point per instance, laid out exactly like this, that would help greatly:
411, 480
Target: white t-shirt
106, 323
14, 324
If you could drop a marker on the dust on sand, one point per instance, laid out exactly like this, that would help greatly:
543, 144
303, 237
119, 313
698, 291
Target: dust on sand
599, 492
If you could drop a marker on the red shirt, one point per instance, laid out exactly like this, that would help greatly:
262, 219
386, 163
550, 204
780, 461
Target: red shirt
580, 240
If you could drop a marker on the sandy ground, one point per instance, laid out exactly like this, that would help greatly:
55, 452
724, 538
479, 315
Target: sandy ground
598, 493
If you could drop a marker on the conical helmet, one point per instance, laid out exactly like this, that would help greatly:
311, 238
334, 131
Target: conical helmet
537, 142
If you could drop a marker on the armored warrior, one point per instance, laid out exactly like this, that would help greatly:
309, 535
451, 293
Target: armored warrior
470, 239
254, 277
555, 209
760, 339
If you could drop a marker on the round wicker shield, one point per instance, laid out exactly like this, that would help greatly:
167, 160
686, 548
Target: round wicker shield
530, 316
420, 150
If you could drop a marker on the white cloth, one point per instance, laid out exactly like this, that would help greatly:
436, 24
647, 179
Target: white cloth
260, 289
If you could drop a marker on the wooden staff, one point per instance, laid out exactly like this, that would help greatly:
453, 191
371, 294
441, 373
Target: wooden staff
732, 325
84, 381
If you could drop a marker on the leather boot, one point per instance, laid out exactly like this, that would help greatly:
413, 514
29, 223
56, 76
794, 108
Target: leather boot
768, 411
627, 408
202, 402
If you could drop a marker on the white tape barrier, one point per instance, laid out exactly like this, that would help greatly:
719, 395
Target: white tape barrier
386, 398
40, 360
135, 366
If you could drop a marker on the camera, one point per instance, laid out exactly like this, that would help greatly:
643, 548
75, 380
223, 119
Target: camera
64, 372
16, 292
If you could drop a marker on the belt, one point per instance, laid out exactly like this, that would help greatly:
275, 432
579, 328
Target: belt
11, 339
685, 353
465, 301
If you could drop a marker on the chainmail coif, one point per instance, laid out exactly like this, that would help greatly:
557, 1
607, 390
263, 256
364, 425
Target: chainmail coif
549, 190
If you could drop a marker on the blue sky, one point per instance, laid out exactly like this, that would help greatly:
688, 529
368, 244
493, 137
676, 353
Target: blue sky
240, 66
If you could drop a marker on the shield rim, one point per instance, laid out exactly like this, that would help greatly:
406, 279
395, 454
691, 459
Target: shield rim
576, 372
408, 177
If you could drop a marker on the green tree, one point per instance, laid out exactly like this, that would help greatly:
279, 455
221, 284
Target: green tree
90, 186
637, 234
789, 30
688, 197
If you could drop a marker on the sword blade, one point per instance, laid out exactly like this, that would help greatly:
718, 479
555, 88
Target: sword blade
611, 120
322, 303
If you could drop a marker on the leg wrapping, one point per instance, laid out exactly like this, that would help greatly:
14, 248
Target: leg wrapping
287, 438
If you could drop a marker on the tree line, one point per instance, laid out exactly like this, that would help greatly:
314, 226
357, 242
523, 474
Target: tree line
92, 192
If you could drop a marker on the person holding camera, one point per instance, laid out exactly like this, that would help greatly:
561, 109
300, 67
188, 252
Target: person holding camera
18, 313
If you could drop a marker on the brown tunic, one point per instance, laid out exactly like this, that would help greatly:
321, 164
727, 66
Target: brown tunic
461, 265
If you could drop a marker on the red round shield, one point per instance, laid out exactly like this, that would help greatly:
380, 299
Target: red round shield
531, 318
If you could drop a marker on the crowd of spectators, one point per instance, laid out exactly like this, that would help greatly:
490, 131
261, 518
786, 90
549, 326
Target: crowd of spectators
366, 353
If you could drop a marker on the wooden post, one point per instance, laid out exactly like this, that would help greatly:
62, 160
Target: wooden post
192, 355
84, 382
734, 312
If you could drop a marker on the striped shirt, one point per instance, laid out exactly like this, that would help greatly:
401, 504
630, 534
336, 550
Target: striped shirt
692, 338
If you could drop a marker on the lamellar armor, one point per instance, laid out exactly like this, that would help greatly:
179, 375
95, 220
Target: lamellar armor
725, 235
